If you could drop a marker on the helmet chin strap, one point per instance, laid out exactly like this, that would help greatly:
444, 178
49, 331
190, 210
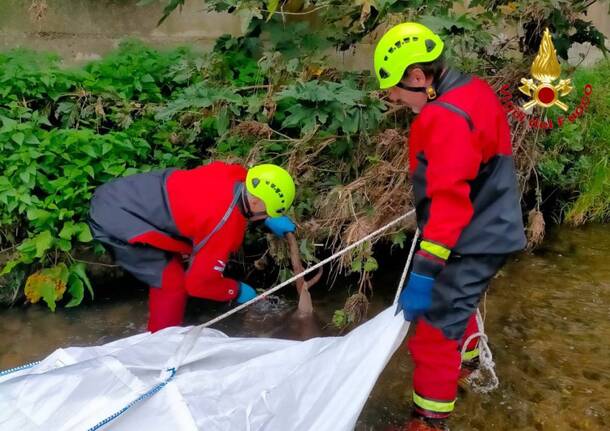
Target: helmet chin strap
246, 208
431, 91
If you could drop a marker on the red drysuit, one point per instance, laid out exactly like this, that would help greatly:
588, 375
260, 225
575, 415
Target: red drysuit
467, 206
149, 220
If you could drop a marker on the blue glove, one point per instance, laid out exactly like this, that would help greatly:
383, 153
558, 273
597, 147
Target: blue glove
280, 226
416, 297
246, 293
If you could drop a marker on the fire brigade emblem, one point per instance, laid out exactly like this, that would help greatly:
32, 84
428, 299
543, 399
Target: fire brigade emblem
545, 70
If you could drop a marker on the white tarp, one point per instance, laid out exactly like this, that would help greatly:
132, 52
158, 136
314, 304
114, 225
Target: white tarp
219, 383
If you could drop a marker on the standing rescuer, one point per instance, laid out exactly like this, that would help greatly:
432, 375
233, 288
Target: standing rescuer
150, 221
467, 204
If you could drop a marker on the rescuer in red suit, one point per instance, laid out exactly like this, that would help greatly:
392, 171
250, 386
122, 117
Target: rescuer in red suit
467, 206
150, 221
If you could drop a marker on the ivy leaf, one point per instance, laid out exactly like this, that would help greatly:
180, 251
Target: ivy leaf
43, 242
80, 230
68, 231
340, 318
48, 284
79, 270
18, 138
562, 44
64, 245
371, 264
247, 15
37, 246
438, 23
60, 273
84, 233
399, 239
172, 5
47, 292
38, 215
10, 265
76, 290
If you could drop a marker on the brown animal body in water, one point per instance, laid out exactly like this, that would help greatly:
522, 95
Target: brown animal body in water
303, 323
305, 305
300, 324
282, 321
295, 325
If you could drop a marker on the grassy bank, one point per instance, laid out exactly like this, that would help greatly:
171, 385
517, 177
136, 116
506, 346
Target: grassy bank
64, 132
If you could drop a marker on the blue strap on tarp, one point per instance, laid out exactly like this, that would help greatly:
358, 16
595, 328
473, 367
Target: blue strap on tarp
144, 396
19, 368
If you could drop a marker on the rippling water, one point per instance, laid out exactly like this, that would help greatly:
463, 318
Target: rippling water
548, 319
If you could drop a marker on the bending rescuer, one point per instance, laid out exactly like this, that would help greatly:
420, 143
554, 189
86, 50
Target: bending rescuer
150, 221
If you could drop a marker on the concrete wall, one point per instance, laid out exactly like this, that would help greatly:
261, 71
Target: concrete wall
585, 54
80, 30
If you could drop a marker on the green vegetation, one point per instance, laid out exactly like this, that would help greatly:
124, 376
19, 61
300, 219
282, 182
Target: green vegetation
63, 133
67, 131
266, 96
575, 161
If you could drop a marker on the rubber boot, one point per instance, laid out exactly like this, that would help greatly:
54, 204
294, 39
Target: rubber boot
167, 303
470, 364
419, 422
422, 423
468, 367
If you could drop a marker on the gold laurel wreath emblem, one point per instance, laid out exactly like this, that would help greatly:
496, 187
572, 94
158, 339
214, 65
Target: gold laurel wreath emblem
545, 69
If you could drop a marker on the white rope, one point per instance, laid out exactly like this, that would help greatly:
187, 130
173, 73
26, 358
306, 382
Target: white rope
485, 355
486, 361
308, 270
405, 271
477, 380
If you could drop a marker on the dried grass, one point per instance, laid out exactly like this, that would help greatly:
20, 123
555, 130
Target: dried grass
354, 231
379, 195
356, 307
253, 129
278, 249
535, 229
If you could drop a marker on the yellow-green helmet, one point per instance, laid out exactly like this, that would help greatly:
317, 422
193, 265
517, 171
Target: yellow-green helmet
273, 185
400, 47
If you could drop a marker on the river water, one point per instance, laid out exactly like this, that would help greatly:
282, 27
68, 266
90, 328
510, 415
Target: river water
547, 316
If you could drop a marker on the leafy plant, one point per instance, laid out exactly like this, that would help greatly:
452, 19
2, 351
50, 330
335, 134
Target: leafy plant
50, 285
137, 72
340, 319
266, 96
343, 23
575, 165
335, 107
64, 132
